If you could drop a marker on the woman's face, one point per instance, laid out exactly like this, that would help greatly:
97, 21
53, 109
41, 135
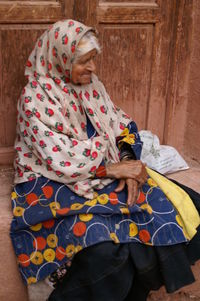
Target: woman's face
83, 68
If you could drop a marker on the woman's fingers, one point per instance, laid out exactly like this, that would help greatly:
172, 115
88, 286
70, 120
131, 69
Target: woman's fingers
132, 186
120, 186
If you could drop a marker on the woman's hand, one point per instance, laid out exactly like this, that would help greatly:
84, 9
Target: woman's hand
128, 170
132, 187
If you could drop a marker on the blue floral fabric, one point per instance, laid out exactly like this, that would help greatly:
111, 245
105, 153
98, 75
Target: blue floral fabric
51, 223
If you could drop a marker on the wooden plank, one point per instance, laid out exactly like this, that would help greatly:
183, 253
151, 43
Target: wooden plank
6, 155
2, 137
160, 72
127, 14
30, 11
178, 102
130, 3
14, 57
139, 2
126, 54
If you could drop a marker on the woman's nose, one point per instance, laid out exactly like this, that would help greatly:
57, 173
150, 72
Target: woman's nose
91, 65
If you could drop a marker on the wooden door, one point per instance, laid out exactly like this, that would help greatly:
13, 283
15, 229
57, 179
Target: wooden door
145, 60
21, 22
137, 38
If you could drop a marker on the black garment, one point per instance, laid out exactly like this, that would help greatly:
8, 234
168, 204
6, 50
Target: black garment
127, 272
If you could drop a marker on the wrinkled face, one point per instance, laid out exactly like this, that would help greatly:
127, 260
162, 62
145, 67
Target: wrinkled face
83, 68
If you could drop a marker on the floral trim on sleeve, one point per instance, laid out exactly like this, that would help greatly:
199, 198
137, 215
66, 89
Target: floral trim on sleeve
131, 137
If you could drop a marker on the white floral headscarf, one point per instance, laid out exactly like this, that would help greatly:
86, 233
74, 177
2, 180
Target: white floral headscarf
51, 128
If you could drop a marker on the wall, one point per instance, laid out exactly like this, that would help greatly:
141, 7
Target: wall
182, 128
192, 126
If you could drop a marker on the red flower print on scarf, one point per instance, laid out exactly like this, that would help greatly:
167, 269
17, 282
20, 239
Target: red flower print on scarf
74, 143
40, 43
49, 160
92, 169
95, 94
65, 39
56, 33
57, 80
28, 113
49, 66
103, 109
47, 86
35, 129
54, 52
83, 126
52, 101
75, 175
28, 155
90, 111
122, 126
94, 155
80, 109
73, 46
40, 96
34, 84
74, 129
42, 144
79, 29
38, 162
98, 145
72, 103
64, 58
37, 114
65, 163
48, 133
27, 99
59, 173
29, 64
19, 171
59, 69
42, 61
74, 93
65, 89
71, 23
56, 148
86, 152
81, 165
49, 112
33, 138
59, 126
87, 95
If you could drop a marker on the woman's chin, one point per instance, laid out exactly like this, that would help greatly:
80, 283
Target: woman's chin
85, 80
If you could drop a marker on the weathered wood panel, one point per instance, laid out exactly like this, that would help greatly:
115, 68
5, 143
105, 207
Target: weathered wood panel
30, 11
180, 68
160, 73
192, 130
127, 55
139, 2
18, 33
14, 57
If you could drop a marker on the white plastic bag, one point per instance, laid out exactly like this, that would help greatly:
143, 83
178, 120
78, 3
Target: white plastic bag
163, 158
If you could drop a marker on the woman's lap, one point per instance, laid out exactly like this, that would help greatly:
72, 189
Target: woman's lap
117, 272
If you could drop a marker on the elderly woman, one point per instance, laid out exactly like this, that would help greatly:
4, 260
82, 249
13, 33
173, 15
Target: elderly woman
88, 215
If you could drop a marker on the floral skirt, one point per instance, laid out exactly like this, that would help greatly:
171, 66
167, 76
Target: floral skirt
126, 272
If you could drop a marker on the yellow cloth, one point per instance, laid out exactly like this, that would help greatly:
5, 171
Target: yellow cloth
188, 215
